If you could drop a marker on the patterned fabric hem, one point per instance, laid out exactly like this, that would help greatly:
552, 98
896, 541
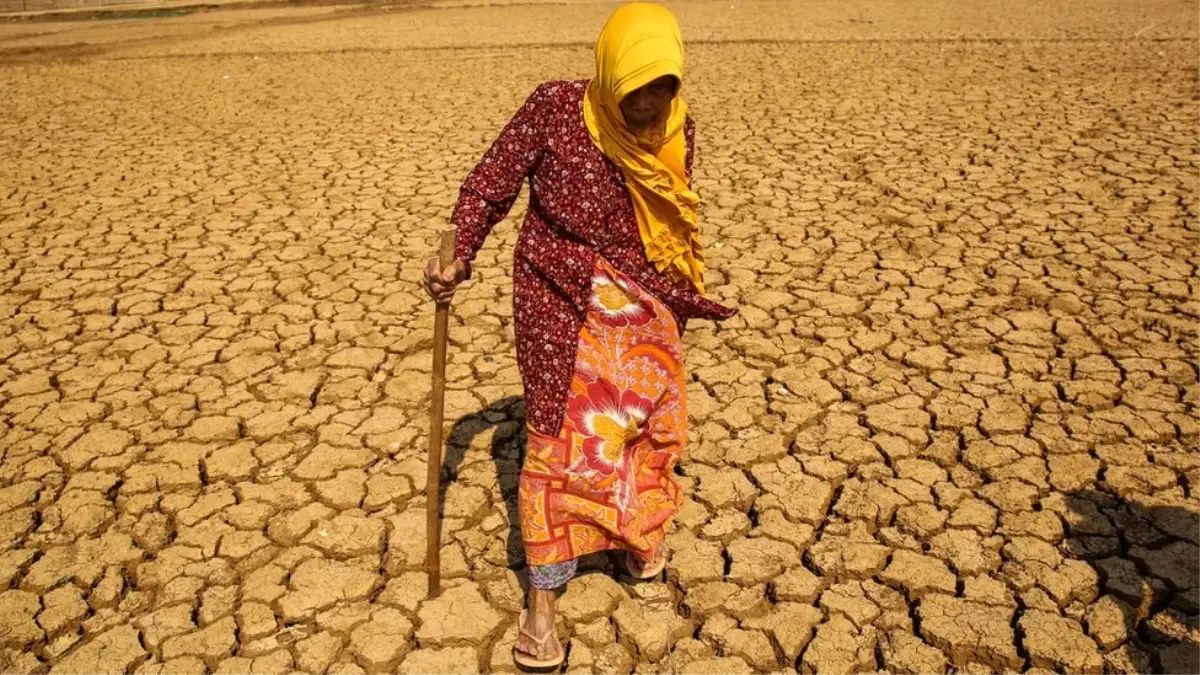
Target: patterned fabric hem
550, 577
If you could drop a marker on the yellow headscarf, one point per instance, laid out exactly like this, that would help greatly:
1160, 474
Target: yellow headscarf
639, 44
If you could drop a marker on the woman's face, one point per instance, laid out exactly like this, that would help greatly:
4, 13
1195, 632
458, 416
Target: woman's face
645, 106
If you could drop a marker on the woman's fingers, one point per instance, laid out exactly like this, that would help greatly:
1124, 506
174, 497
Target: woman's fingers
433, 283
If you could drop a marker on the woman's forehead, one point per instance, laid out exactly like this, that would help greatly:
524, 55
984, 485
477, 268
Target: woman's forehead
665, 80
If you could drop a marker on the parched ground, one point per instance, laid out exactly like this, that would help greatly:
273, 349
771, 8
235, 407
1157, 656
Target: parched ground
953, 429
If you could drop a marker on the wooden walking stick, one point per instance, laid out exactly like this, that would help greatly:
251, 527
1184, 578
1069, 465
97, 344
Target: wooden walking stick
433, 532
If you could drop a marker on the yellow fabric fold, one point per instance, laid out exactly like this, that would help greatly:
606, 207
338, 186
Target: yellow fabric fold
640, 43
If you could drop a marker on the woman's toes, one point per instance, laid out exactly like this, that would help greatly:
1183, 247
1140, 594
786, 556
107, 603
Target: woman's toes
528, 646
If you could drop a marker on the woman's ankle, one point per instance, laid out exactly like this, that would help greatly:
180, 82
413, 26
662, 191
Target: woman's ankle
541, 601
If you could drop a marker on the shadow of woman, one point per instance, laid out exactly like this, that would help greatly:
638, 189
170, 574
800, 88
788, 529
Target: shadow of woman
504, 421
1146, 558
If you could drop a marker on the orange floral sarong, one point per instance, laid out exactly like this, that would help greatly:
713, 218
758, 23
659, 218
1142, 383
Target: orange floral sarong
605, 482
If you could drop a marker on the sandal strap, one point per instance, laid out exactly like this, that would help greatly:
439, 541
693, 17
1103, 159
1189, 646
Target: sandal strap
540, 640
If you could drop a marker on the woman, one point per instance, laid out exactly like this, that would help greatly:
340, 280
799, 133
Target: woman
608, 269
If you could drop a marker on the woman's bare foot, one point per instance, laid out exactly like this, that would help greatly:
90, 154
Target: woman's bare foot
638, 568
539, 623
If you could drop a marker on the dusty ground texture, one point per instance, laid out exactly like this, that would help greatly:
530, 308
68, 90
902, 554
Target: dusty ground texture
953, 429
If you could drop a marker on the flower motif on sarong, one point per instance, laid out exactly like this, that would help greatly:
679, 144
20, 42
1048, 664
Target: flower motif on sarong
610, 420
617, 304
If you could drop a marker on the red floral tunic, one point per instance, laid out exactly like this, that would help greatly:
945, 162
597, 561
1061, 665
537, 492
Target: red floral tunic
579, 208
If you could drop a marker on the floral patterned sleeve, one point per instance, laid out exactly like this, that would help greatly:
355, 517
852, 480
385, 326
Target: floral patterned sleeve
492, 187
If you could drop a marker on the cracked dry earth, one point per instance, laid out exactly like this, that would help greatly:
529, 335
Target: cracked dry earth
953, 429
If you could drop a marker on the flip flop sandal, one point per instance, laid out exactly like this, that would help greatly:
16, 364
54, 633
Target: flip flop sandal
527, 661
632, 565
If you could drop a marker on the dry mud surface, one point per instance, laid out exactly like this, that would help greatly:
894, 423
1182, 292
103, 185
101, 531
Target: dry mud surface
953, 429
